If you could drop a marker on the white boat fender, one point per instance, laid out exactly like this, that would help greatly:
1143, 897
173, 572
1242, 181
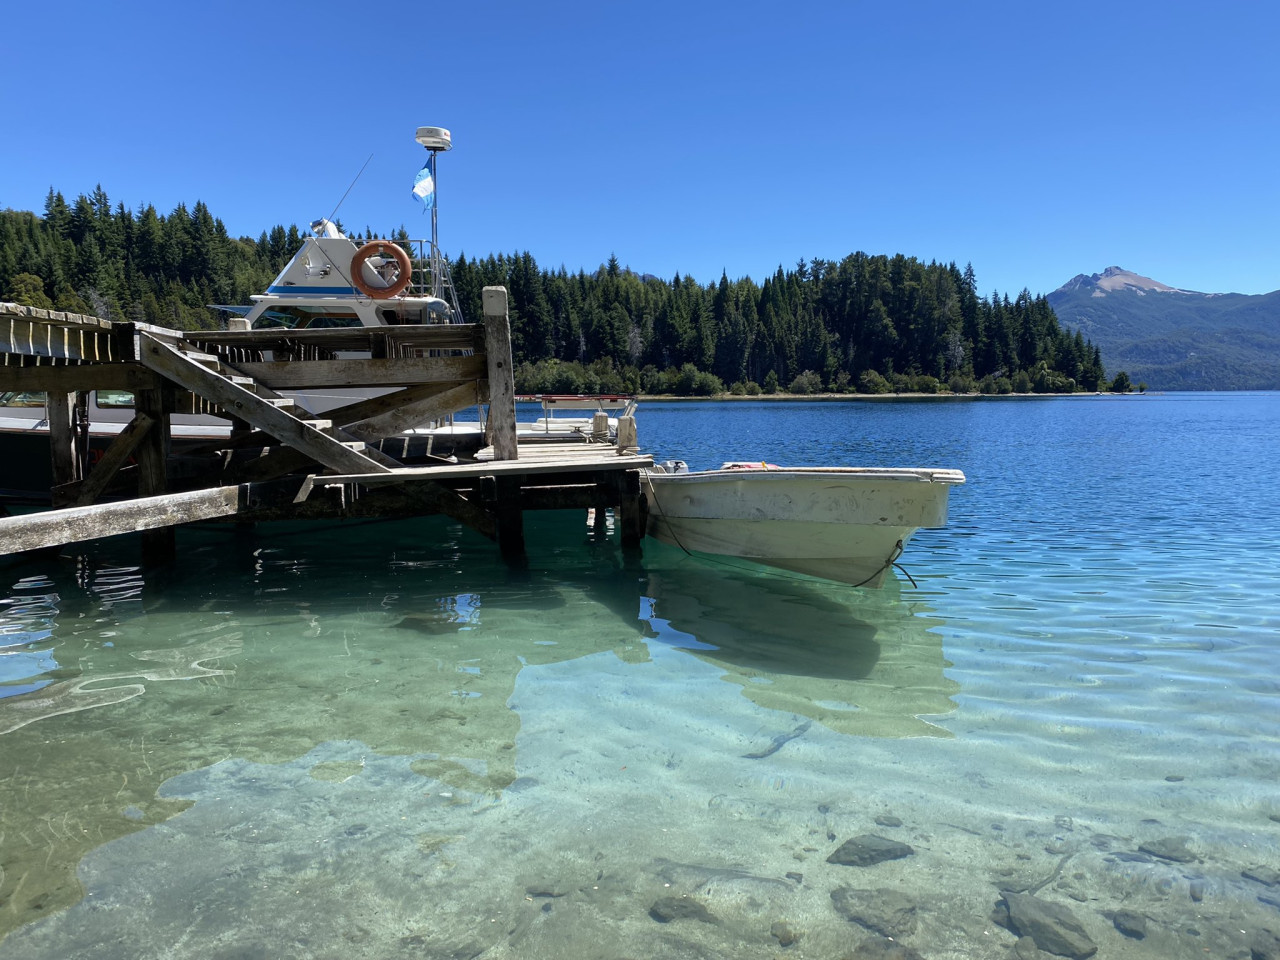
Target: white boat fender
381, 248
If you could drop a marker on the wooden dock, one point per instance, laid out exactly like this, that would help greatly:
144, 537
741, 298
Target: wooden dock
279, 461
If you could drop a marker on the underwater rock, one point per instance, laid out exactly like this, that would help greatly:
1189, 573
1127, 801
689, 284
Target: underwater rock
666, 909
1132, 857
1169, 848
886, 912
1054, 928
1132, 925
885, 820
879, 949
1265, 946
547, 889
781, 931
868, 849
1263, 875
1026, 949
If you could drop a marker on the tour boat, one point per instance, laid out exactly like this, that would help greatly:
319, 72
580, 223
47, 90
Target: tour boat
848, 524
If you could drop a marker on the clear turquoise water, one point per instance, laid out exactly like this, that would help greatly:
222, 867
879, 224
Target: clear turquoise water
377, 741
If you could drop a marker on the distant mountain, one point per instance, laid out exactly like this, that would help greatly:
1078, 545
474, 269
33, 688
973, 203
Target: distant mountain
1173, 339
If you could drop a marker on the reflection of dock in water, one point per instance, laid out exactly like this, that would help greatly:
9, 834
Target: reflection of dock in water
117, 704
858, 662
88, 743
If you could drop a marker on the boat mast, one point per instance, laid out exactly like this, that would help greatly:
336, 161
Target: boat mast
437, 140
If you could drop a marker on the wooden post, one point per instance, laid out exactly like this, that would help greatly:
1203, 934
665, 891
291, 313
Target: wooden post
64, 458
599, 426
502, 387
627, 439
631, 509
502, 496
159, 546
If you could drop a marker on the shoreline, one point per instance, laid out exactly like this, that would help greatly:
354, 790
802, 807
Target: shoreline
880, 397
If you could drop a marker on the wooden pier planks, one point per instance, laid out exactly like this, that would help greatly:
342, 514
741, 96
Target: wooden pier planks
35, 531
439, 369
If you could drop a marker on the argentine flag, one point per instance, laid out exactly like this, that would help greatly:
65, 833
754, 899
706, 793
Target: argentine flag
424, 184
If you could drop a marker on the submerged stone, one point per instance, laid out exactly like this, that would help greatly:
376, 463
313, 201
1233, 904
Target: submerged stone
666, 909
869, 849
1053, 927
879, 949
1169, 848
1263, 875
886, 912
1265, 946
1132, 925
781, 931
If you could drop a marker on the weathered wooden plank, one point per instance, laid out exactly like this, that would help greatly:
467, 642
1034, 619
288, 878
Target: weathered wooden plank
10, 309
88, 376
390, 341
368, 407
116, 455
35, 531
33, 337
169, 362
271, 463
438, 404
64, 447
159, 544
394, 372
605, 461
502, 389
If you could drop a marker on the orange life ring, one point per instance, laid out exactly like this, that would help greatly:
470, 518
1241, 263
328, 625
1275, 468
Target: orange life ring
381, 248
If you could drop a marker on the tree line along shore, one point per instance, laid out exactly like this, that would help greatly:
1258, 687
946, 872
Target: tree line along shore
867, 324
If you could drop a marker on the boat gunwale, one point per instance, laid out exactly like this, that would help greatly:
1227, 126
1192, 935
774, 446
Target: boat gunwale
920, 474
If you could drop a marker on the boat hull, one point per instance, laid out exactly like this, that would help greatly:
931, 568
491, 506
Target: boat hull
844, 524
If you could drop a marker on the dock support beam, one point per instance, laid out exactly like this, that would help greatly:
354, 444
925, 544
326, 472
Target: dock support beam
501, 495
66, 453
502, 387
159, 545
631, 509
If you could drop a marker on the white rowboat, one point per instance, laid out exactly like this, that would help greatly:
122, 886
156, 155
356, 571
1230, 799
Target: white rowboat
847, 524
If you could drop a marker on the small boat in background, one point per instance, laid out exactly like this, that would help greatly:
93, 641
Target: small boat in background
580, 424
848, 524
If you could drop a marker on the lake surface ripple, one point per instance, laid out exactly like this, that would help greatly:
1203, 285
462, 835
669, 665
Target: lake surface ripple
375, 740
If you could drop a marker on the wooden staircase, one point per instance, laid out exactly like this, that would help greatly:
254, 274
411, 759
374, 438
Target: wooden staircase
241, 397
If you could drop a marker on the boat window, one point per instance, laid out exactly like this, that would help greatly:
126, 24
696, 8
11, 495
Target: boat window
327, 322
114, 398
22, 398
276, 318
314, 318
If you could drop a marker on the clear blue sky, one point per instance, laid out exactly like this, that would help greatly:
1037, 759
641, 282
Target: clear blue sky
1035, 140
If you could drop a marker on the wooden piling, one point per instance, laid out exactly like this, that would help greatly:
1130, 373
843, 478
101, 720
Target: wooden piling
502, 387
159, 544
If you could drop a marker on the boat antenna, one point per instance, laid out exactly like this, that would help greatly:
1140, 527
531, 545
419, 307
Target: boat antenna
344, 196
437, 140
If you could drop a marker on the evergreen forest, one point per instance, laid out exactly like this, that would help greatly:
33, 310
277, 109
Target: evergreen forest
868, 323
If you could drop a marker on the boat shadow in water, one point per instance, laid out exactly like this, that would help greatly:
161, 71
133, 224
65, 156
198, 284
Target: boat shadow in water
860, 662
